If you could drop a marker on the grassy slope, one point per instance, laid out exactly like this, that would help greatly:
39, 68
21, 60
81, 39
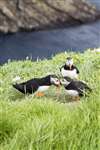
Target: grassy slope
29, 123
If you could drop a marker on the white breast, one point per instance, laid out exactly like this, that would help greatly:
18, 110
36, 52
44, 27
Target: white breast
72, 93
43, 88
69, 73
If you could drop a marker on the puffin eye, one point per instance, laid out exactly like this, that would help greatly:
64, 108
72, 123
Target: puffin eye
57, 80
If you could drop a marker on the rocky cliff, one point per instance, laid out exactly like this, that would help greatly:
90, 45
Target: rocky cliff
18, 15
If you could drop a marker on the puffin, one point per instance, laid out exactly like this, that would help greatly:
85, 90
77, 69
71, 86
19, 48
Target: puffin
69, 69
37, 85
75, 88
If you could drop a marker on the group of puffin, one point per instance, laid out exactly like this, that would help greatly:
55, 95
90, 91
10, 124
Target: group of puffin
69, 72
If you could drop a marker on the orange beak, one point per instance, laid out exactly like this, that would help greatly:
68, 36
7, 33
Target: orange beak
39, 94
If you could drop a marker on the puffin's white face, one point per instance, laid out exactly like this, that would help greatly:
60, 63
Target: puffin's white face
55, 81
69, 62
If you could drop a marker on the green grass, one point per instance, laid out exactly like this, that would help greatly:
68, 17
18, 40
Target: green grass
50, 122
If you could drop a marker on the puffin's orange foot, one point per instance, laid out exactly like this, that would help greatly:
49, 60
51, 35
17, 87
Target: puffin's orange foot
39, 94
77, 98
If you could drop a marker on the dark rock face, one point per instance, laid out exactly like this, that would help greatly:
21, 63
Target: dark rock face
18, 15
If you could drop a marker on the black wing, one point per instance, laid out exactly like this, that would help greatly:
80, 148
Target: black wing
77, 70
65, 67
78, 86
29, 86
82, 85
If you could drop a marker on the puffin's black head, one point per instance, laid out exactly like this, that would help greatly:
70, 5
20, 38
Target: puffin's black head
65, 81
54, 80
68, 79
69, 58
69, 62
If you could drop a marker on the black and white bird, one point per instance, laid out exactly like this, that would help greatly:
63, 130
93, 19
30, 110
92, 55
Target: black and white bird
69, 69
75, 88
37, 85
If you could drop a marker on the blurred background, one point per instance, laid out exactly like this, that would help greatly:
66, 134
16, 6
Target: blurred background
40, 29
